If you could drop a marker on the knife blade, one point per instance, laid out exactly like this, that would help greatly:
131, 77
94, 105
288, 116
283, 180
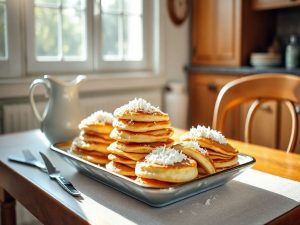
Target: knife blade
55, 174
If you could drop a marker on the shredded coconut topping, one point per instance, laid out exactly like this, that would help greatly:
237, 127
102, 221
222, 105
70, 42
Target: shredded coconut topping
206, 132
138, 104
98, 117
117, 123
165, 156
195, 145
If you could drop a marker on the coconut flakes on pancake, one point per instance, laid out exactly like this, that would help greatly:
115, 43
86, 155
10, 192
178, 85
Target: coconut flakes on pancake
98, 117
205, 132
137, 105
195, 145
165, 156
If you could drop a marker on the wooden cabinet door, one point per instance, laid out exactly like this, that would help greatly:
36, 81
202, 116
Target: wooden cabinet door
216, 32
227, 32
204, 89
273, 4
203, 31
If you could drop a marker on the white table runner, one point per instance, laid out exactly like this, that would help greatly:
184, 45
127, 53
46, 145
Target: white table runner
234, 203
279, 185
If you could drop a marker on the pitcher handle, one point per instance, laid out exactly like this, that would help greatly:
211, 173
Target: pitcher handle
33, 85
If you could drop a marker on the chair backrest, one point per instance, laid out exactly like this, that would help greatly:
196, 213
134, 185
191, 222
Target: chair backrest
259, 88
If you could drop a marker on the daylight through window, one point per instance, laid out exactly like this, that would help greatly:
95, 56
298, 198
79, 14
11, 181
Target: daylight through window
122, 26
60, 30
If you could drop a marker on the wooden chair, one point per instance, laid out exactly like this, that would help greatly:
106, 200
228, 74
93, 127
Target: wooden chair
258, 89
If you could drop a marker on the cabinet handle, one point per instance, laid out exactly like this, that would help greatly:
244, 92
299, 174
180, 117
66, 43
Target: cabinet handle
212, 87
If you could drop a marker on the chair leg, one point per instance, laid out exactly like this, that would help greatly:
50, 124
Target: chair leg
8, 208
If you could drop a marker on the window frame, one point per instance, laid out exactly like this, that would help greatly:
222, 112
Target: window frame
21, 45
37, 67
12, 67
144, 65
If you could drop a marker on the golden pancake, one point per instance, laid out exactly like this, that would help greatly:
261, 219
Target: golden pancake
226, 163
103, 136
97, 128
135, 126
129, 165
193, 150
122, 160
179, 172
144, 137
144, 117
217, 155
87, 137
95, 159
90, 146
209, 139
167, 164
120, 168
91, 156
153, 183
99, 122
201, 171
140, 110
140, 147
128, 155
225, 149
80, 151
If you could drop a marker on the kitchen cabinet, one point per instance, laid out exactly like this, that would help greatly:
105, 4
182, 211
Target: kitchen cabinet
203, 92
274, 4
225, 32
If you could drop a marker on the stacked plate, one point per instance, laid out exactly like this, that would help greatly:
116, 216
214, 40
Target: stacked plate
263, 60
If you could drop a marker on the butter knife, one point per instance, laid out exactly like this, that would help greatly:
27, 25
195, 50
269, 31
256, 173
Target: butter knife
55, 174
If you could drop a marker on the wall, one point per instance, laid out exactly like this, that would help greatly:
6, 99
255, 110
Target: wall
176, 47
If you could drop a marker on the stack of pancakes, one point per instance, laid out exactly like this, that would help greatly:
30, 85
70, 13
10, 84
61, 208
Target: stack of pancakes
165, 166
222, 154
139, 128
94, 139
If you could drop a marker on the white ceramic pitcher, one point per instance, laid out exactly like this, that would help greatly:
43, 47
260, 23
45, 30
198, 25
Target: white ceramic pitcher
62, 115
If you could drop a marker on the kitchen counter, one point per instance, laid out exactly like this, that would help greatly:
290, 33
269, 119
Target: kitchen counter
244, 70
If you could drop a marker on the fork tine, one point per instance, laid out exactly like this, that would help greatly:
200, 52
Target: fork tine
28, 155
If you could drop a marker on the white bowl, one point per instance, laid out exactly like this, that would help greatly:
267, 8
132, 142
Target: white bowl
265, 59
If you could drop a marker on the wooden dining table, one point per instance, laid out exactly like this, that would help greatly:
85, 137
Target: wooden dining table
100, 204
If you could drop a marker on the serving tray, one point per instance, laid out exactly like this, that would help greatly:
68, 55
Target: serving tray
156, 197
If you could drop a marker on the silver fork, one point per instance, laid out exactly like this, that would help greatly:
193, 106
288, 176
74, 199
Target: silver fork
30, 158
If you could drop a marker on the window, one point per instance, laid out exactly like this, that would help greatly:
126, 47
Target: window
10, 41
3, 31
122, 36
76, 36
67, 36
60, 30
58, 36
124, 29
